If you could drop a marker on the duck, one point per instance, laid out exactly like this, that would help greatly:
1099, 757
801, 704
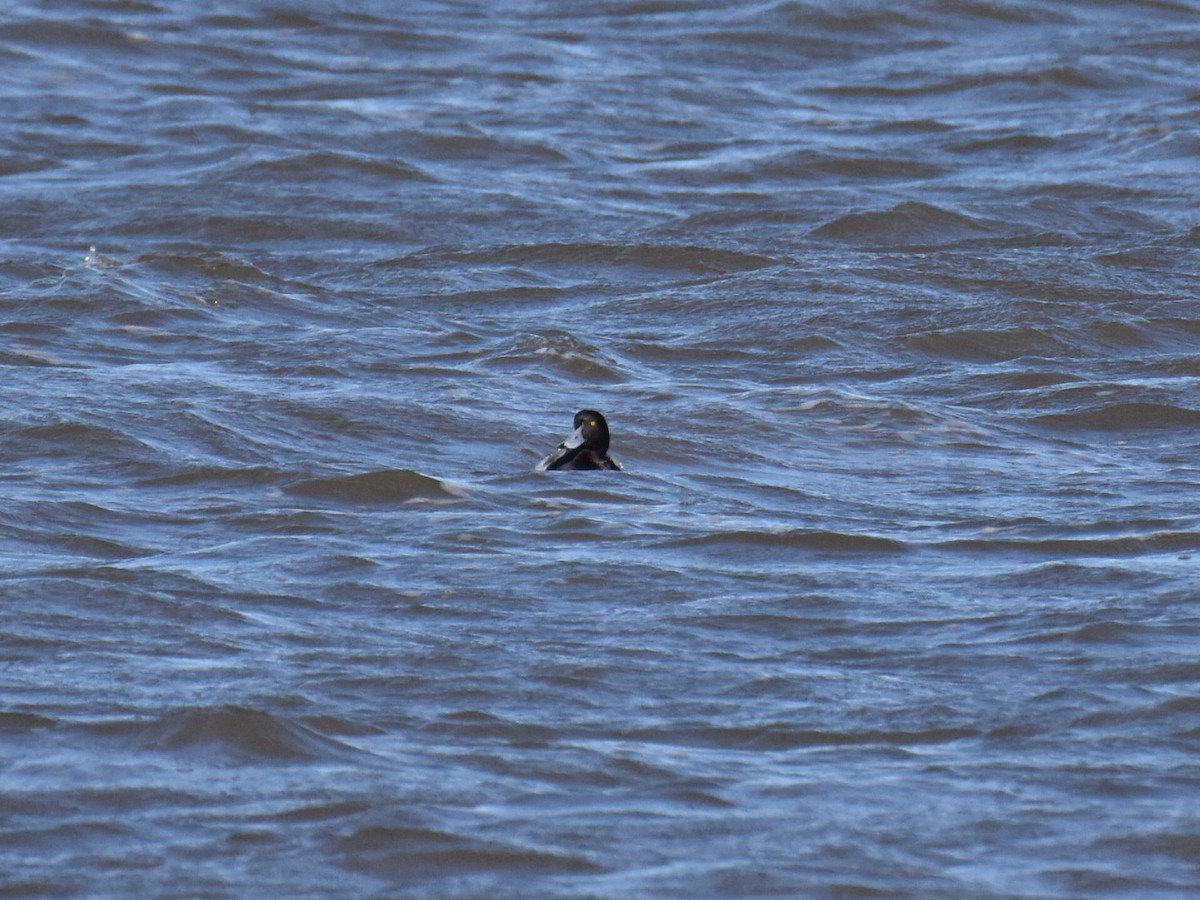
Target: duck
586, 448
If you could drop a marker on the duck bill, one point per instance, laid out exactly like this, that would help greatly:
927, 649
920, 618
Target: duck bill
574, 441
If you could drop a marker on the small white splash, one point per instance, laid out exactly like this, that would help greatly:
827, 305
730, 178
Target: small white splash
96, 260
809, 405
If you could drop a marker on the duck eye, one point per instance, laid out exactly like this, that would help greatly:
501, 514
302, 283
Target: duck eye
592, 422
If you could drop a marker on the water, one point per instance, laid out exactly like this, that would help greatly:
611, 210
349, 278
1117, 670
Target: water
893, 311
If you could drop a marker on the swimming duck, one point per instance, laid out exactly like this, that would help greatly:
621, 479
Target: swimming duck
587, 448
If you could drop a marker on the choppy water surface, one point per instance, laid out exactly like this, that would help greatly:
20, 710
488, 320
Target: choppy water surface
894, 312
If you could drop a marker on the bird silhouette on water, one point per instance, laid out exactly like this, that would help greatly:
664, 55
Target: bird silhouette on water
586, 448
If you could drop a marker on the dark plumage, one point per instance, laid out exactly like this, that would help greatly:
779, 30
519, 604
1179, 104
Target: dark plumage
587, 448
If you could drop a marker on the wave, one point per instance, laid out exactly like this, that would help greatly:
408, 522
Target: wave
485, 148
239, 733
206, 264
787, 737
216, 475
64, 34
910, 224
931, 82
71, 438
804, 164
1059, 573
988, 345
306, 166
691, 259
417, 850
823, 541
572, 356
388, 486
1128, 416
1125, 545
23, 721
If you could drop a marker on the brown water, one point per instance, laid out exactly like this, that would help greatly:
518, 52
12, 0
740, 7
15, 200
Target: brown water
893, 311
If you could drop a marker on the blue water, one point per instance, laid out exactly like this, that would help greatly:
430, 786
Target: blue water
893, 312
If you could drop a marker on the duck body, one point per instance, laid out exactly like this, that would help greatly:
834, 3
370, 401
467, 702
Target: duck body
585, 449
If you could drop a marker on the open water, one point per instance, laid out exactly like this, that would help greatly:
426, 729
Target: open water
894, 311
